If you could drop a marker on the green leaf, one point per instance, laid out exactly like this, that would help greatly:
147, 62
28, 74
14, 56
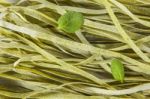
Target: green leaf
117, 70
71, 21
